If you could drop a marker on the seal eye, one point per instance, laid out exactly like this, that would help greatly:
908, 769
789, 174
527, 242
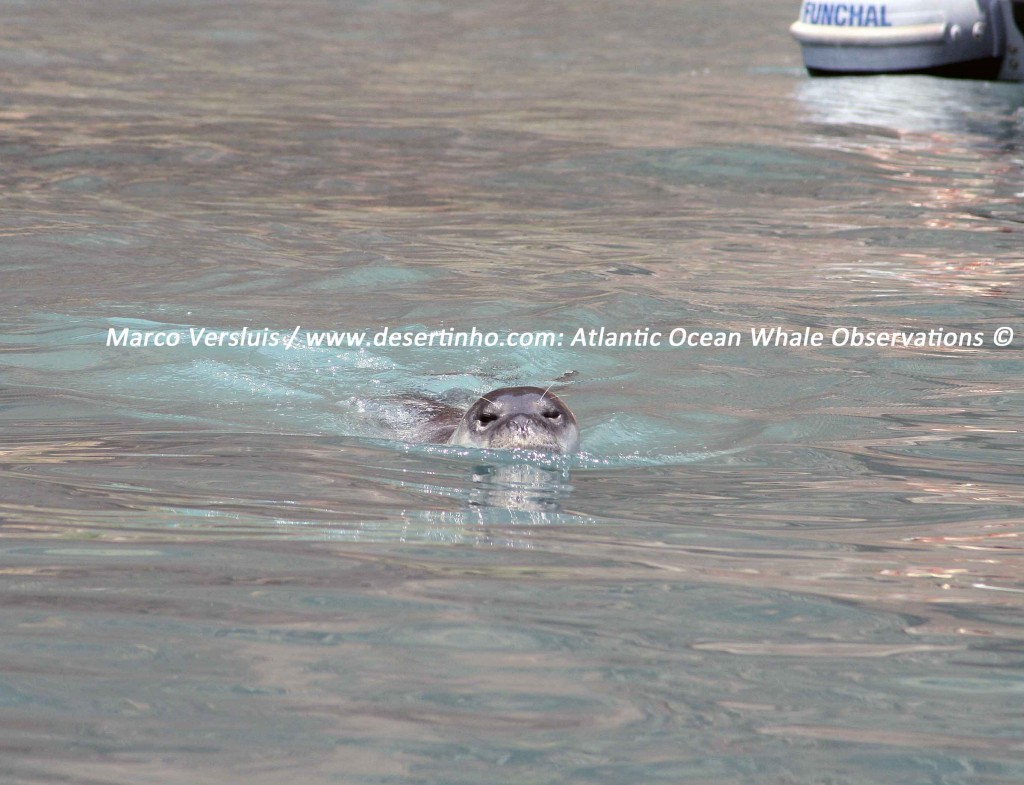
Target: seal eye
552, 414
486, 418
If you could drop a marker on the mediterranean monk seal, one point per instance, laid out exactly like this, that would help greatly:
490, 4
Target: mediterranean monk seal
520, 418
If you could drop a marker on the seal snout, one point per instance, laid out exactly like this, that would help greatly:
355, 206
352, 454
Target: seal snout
519, 423
522, 430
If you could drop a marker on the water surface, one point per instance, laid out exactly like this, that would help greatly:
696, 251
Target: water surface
768, 566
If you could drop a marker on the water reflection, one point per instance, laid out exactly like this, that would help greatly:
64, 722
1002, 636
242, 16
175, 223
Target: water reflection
947, 155
976, 112
520, 486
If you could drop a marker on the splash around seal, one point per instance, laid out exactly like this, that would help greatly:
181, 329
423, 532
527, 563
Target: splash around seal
528, 418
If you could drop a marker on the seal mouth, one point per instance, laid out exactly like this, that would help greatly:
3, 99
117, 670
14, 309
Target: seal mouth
523, 432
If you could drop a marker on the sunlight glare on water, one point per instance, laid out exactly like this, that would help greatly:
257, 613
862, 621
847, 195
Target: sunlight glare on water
769, 565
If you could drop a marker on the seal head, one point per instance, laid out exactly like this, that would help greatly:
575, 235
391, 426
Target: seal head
520, 418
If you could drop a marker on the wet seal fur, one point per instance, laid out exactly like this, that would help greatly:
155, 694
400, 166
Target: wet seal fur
518, 418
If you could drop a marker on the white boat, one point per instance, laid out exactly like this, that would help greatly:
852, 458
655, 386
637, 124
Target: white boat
981, 39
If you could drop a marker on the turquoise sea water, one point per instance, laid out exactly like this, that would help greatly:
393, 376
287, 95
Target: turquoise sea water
769, 565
